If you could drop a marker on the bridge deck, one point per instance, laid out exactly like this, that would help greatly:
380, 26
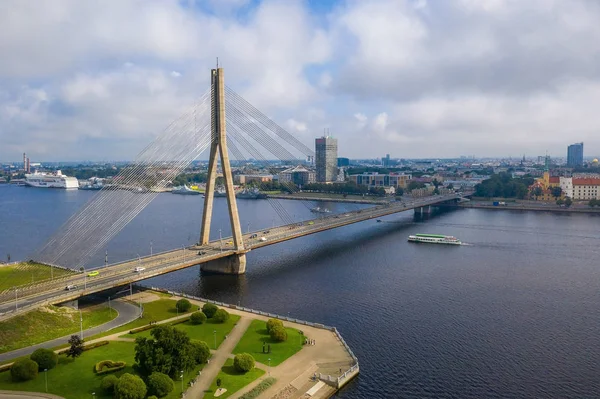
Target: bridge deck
52, 292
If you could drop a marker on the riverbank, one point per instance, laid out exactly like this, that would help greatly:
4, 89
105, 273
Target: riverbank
530, 206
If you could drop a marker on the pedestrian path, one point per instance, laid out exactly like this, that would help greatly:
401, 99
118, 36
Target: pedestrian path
218, 359
26, 395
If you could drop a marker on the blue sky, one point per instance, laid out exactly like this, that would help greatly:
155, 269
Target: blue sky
413, 78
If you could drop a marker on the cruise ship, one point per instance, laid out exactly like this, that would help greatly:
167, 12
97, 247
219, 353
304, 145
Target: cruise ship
185, 190
51, 180
434, 239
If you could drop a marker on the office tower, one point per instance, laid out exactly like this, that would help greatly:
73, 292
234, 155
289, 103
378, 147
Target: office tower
326, 159
575, 155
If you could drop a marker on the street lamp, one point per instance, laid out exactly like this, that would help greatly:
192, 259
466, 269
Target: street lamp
16, 305
221, 240
181, 382
248, 227
81, 323
150, 248
269, 359
93, 395
215, 336
46, 378
183, 252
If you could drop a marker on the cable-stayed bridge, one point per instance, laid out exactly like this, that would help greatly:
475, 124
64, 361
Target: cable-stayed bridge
245, 131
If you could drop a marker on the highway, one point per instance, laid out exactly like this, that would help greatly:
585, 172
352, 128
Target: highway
123, 273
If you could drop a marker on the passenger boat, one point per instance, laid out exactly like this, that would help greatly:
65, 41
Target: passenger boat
434, 239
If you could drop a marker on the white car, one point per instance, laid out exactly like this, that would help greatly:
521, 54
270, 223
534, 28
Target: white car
139, 269
262, 239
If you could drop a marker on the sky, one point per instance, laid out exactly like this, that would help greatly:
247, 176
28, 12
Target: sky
97, 80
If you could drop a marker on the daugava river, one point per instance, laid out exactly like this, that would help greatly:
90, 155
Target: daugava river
513, 314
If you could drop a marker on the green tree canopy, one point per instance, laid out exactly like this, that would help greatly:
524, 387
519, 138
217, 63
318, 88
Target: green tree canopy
24, 370
209, 309
168, 352
221, 316
76, 348
160, 384
198, 318
243, 362
130, 387
183, 305
45, 358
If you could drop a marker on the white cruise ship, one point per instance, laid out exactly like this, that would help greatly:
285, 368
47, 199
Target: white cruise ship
51, 180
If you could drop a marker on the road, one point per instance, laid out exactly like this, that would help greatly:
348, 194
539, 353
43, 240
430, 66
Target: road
127, 312
52, 292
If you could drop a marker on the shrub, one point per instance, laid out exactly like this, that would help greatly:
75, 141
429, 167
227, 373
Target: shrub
160, 384
278, 333
209, 309
260, 388
130, 387
221, 316
272, 323
201, 352
198, 318
45, 358
108, 366
243, 362
108, 383
86, 347
183, 305
24, 370
179, 321
76, 348
140, 329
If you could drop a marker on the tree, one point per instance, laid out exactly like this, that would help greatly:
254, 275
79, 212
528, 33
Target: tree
450, 186
399, 192
209, 309
183, 305
168, 351
560, 201
243, 362
130, 387
536, 192
24, 370
160, 384
45, 358
568, 201
219, 382
593, 202
272, 323
76, 348
109, 382
221, 316
556, 192
198, 318
201, 352
278, 333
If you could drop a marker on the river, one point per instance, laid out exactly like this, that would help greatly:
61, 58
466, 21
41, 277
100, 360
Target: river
515, 313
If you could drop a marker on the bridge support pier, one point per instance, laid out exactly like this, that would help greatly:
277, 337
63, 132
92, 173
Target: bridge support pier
424, 210
234, 264
74, 304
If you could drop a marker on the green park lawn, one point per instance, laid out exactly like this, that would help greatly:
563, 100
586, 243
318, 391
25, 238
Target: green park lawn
24, 273
48, 323
232, 380
153, 311
200, 332
256, 334
76, 379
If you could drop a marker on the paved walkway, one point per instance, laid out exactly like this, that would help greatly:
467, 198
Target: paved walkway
127, 313
27, 395
218, 359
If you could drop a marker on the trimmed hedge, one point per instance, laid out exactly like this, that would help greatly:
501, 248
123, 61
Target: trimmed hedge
160, 384
243, 362
87, 347
198, 318
108, 366
257, 390
183, 305
143, 328
24, 370
278, 333
209, 309
221, 316
185, 319
108, 383
45, 358
272, 323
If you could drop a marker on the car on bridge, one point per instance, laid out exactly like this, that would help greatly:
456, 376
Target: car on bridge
254, 236
266, 232
139, 269
201, 252
262, 239
94, 273
70, 287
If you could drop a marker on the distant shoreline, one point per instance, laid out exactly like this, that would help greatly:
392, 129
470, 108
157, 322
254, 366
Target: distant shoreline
519, 206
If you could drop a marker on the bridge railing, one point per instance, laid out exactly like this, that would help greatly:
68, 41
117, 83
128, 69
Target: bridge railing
335, 381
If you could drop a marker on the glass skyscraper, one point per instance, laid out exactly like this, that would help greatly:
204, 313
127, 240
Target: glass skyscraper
326, 159
575, 155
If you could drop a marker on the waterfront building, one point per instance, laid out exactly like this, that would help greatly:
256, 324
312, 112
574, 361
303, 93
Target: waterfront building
586, 188
326, 159
246, 179
575, 155
566, 184
546, 183
374, 179
298, 175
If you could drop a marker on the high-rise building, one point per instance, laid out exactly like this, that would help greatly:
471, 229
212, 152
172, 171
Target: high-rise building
343, 162
385, 161
575, 155
326, 159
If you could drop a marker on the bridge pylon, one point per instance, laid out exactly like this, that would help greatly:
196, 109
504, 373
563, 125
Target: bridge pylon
236, 264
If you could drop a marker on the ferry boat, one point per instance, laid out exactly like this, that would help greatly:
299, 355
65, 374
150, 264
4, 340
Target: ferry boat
185, 190
51, 180
434, 239
251, 193
318, 209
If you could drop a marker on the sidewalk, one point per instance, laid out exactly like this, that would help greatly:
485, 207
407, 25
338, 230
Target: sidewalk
127, 312
27, 395
218, 359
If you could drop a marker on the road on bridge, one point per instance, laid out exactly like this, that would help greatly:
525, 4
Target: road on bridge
123, 273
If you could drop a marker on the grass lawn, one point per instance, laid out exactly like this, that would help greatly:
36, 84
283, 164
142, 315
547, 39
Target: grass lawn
25, 273
76, 378
200, 332
256, 334
232, 380
48, 323
153, 311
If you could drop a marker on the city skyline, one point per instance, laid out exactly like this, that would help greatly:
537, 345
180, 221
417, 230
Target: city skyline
385, 76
